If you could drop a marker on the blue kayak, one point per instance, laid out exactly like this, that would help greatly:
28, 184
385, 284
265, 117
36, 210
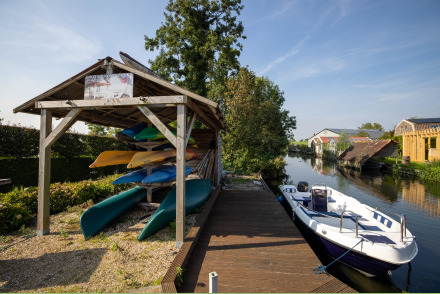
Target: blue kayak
196, 193
96, 217
133, 177
133, 131
165, 174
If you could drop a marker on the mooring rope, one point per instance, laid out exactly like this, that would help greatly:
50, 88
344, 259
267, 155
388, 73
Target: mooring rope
322, 269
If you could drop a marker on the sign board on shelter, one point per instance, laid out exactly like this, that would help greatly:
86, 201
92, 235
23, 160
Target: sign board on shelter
108, 86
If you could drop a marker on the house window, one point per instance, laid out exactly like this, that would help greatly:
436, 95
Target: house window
433, 142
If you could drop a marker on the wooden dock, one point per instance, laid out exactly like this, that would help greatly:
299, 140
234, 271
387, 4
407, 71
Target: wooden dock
253, 245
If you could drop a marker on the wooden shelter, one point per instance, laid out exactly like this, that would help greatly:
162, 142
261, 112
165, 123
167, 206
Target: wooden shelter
155, 101
421, 145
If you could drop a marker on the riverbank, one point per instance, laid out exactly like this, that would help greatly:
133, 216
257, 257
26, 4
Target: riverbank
113, 261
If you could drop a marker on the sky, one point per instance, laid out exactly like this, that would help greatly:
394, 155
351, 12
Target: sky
339, 63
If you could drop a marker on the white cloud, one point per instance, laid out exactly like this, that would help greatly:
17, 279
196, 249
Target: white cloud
295, 50
24, 36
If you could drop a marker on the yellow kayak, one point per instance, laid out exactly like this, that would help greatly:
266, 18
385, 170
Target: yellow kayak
144, 157
112, 158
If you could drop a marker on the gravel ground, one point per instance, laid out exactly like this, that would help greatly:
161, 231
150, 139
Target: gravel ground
113, 261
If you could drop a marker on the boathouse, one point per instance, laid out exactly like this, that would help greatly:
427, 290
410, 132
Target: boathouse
362, 154
154, 101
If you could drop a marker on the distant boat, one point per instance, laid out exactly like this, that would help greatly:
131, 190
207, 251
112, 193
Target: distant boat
362, 237
196, 193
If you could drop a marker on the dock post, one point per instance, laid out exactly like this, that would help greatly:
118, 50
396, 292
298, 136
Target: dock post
213, 282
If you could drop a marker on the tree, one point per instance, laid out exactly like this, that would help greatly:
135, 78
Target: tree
362, 134
99, 130
259, 126
198, 43
343, 142
369, 126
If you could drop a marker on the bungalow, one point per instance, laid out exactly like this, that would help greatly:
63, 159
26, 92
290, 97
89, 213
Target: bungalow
314, 143
415, 124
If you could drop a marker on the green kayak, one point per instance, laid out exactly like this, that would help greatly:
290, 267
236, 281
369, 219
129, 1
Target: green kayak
196, 193
96, 217
153, 134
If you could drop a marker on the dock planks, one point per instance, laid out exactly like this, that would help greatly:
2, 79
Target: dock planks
253, 246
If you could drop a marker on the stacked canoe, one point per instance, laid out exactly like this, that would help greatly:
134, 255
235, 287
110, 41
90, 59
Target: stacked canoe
197, 191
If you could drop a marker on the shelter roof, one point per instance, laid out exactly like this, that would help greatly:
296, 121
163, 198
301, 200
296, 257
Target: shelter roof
360, 152
146, 84
373, 134
424, 120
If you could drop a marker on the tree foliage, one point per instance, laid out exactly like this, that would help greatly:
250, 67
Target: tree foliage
343, 142
199, 42
259, 126
97, 130
371, 126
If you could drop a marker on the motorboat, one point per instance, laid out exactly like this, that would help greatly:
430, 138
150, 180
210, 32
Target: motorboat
351, 232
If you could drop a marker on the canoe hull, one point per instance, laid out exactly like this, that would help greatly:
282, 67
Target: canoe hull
112, 158
96, 217
145, 157
196, 191
164, 175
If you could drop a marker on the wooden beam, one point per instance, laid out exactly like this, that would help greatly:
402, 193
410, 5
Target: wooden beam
202, 114
43, 212
67, 122
180, 175
165, 84
190, 127
113, 102
159, 124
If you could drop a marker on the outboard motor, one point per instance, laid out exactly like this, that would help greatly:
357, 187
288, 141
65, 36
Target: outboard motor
319, 199
303, 186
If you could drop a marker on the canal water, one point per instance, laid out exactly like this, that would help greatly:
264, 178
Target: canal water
419, 202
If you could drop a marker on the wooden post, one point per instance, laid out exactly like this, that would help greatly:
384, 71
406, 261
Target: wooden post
180, 175
149, 169
43, 216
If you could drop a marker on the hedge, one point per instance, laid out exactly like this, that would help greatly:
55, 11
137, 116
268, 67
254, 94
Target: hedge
20, 142
19, 206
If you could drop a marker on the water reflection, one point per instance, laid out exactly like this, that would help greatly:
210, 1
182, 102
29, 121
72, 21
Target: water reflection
414, 194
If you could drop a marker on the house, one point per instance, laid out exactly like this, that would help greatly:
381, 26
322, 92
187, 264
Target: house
314, 143
331, 144
415, 124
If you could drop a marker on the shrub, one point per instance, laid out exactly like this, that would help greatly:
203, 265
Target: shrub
20, 205
431, 171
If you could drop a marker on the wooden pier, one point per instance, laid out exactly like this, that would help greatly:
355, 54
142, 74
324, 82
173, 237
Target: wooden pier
253, 246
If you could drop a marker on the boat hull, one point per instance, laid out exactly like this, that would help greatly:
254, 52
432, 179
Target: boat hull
145, 157
112, 158
196, 193
96, 217
370, 266
165, 174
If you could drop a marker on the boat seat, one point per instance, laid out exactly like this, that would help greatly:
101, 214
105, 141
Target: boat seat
370, 228
378, 239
